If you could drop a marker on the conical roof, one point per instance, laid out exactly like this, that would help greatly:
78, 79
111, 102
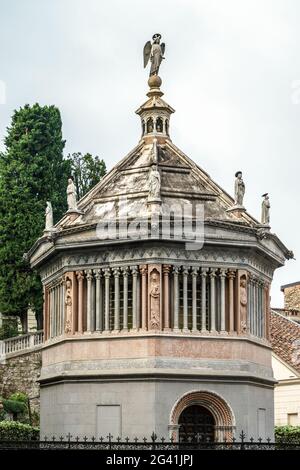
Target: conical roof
158, 179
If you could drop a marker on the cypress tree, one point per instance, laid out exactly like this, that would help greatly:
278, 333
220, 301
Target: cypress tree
32, 171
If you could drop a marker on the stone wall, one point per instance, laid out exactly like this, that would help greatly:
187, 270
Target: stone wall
20, 373
292, 296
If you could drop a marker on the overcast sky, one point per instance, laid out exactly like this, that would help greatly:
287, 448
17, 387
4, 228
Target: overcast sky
232, 72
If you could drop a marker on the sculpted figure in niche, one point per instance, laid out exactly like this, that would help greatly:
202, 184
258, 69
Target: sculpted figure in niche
68, 306
154, 301
239, 189
265, 209
243, 303
154, 183
71, 195
49, 216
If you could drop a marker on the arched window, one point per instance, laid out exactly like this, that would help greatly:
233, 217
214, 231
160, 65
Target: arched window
143, 127
159, 124
150, 125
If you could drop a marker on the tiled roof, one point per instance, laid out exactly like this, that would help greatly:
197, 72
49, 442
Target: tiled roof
285, 339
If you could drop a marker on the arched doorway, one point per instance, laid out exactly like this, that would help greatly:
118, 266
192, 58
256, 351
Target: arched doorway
204, 408
196, 423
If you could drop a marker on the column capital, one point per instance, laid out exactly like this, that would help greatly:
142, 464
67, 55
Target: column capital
89, 274
107, 272
144, 269
166, 269
195, 271
80, 275
116, 272
98, 273
134, 270
125, 271
185, 270
222, 273
231, 273
176, 270
203, 272
212, 273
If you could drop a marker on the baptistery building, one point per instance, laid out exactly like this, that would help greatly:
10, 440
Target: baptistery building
156, 300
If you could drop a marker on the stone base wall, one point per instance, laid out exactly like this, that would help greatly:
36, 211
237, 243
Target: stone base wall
135, 408
20, 374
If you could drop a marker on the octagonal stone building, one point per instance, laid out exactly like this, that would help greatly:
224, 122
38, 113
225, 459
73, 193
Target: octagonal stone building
156, 302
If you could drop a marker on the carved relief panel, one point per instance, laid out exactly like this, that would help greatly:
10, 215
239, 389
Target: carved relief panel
154, 297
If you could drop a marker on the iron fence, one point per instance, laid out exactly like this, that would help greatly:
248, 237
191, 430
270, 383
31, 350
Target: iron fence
154, 444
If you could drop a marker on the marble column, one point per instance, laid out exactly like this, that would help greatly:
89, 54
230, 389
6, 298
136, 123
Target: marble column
212, 276
51, 312
45, 312
231, 276
117, 299
254, 308
89, 277
166, 298
267, 311
263, 309
176, 298
58, 310
144, 272
203, 299
194, 298
222, 310
48, 312
185, 298
99, 301
80, 278
250, 302
62, 296
54, 310
106, 299
134, 272
125, 298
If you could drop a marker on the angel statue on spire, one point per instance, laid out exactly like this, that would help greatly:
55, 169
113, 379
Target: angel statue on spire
154, 52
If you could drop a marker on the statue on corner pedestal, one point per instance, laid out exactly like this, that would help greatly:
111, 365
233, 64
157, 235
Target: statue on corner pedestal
48, 217
265, 210
154, 52
239, 189
71, 196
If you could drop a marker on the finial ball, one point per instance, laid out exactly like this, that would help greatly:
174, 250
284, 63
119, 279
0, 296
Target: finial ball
154, 81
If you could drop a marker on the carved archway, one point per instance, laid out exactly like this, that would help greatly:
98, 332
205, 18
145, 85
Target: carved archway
214, 403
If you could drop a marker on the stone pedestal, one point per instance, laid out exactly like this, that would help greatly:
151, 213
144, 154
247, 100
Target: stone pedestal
237, 210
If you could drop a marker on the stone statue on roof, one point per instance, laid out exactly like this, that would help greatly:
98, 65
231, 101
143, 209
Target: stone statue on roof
265, 209
154, 52
71, 195
239, 189
48, 216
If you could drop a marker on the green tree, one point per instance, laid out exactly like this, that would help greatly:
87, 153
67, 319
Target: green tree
32, 171
86, 171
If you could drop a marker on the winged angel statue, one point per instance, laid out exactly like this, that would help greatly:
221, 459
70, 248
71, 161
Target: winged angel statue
155, 52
